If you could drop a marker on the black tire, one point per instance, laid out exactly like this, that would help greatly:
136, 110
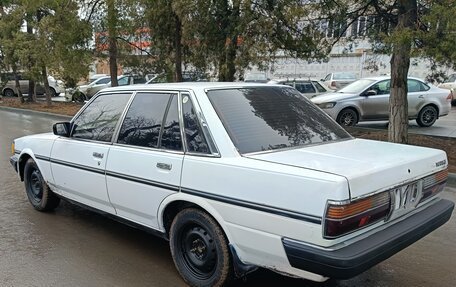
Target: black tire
427, 116
78, 97
200, 249
38, 192
9, 93
53, 92
347, 117
453, 103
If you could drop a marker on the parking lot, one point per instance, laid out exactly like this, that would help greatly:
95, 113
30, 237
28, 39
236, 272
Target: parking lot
76, 247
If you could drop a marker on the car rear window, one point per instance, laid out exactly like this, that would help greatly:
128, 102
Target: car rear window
344, 76
268, 118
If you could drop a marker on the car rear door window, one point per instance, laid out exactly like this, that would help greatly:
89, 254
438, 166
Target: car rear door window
193, 132
144, 119
99, 120
171, 137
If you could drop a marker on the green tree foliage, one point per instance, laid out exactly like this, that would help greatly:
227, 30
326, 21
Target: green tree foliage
403, 29
56, 39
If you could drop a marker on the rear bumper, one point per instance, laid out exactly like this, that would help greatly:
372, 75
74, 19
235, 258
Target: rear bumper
354, 259
13, 160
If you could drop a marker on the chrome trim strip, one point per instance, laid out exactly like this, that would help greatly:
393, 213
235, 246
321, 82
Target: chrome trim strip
78, 166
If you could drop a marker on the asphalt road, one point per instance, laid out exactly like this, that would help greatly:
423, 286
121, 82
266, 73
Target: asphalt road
444, 126
76, 247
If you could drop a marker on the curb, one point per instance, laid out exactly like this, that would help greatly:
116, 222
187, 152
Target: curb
410, 133
27, 111
451, 181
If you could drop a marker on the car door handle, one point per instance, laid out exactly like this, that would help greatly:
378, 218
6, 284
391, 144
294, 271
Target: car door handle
164, 166
98, 155
421, 96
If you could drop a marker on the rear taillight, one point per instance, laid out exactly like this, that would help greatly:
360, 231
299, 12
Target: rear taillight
450, 96
434, 184
342, 218
333, 84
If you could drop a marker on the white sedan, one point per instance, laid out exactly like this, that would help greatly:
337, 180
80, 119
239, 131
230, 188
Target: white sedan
236, 177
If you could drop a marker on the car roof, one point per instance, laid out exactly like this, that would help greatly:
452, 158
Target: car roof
294, 80
187, 86
380, 78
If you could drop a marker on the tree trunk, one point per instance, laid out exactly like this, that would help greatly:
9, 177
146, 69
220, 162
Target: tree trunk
112, 38
230, 60
31, 87
17, 84
178, 50
400, 63
47, 90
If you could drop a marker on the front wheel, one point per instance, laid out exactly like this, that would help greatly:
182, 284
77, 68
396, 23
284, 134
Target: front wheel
427, 116
200, 249
347, 118
38, 192
8, 93
78, 97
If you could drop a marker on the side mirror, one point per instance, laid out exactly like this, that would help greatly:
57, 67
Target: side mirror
370, 93
62, 129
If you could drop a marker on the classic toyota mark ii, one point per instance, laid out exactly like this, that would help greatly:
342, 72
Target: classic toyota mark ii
238, 176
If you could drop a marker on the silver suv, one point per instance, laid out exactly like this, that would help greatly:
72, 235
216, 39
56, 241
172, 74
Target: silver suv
368, 100
8, 85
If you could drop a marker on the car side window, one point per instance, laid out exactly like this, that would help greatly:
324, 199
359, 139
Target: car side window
99, 120
413, 86
171, 137
424, 87
143, 121
305, 88
328, 77
103, 81
382, 88
123, 81
193, 132
319, 87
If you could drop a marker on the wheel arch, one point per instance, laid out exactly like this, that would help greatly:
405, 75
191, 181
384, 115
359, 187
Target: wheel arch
173, 204
350, 107
432, 104
23, 157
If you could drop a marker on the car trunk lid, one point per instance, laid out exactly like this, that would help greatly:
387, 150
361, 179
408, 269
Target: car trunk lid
367, 165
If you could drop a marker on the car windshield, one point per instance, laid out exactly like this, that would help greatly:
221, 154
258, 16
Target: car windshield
344, 76
269, 118
357, 86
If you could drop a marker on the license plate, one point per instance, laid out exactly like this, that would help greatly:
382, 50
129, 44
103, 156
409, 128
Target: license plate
405, 198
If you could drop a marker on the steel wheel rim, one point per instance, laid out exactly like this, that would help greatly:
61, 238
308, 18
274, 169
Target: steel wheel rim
36, 185
198, 252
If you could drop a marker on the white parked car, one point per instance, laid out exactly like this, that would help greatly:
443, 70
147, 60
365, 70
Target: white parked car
307, 87
238, 176
450, 84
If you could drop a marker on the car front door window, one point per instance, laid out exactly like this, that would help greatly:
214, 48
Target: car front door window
99, 120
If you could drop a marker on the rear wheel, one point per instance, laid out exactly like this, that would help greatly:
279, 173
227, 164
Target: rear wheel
8, 93
199, 249
347, 117
427, 116
38, 192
